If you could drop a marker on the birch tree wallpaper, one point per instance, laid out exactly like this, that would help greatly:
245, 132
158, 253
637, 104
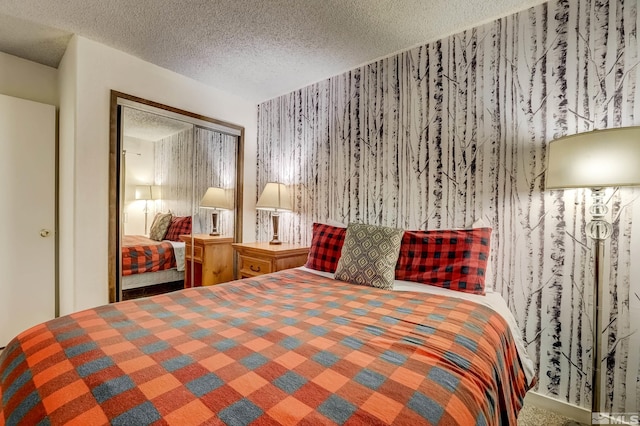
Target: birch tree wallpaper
456, 130
189, 162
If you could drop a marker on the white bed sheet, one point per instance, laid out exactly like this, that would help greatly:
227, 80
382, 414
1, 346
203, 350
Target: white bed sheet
491, 299
178, 252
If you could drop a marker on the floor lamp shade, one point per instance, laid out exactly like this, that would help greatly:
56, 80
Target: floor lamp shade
143, 192
596, 160
217, 199
156, 192
275, 197
147, 192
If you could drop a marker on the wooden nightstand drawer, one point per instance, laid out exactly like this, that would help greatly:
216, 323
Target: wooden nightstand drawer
197, 253
252, 266
263, 258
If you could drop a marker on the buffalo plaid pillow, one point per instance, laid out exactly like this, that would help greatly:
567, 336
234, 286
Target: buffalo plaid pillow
453, 259
326, 247
179, 226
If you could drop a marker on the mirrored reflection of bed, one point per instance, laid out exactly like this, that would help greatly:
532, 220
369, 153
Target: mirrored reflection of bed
168, 160
146, 262
149, 256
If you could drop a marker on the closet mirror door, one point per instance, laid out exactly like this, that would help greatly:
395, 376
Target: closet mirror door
165, 164
158, 201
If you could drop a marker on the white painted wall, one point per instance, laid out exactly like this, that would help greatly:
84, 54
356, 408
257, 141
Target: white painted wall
88, 72
28, 80
139, 171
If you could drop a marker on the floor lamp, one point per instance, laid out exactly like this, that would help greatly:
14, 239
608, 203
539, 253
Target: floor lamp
597, 160
275, 197
147, 193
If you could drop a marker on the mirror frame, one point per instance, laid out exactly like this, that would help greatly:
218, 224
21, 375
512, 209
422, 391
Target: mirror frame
115, 165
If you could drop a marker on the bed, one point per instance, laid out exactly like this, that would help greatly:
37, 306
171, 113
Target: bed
294, 347
148, 262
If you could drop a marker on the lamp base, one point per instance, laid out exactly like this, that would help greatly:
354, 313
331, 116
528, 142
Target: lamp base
276, 222
214, 222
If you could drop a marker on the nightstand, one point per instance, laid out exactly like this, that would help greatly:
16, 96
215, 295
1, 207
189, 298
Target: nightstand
212, 259
263, 258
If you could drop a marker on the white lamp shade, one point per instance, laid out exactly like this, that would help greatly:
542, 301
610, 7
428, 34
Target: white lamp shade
156, 192
143, 192
275, 196
215, 198
596, 159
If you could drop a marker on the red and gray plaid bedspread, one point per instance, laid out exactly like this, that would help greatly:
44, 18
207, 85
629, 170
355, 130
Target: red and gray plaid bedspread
286, 348
141, 254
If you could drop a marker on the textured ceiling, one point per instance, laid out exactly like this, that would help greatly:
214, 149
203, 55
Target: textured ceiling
257, 49
150, 127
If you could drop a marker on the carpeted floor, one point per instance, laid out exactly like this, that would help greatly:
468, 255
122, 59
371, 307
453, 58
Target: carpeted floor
534, 416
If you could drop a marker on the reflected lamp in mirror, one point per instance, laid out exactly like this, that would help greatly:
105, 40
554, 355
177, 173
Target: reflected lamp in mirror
275, 197
597, 160
215, 198
147, 193
156, 192
143, 192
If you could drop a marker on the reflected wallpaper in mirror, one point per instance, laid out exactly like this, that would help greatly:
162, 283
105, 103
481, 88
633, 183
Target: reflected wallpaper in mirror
162, 162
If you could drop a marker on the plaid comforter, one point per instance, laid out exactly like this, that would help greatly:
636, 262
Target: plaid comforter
285, 348
141, 254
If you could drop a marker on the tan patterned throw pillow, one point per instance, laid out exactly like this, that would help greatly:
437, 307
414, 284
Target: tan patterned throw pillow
369, 255
159, 226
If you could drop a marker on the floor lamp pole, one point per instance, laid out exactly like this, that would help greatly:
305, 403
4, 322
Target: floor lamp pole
598, 229
146, 212
597, 326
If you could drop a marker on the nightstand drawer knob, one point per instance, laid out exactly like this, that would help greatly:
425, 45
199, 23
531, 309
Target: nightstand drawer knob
254, 269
